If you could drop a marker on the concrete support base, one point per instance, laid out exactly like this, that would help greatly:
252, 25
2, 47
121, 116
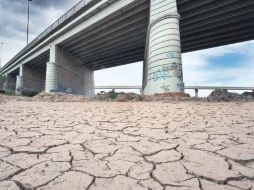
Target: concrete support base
67, 74
163, 65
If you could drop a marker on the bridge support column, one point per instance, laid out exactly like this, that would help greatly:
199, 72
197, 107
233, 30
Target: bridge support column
89, 88
19, 81
51, 77
67, 74
51, 71
163, 63
196, 92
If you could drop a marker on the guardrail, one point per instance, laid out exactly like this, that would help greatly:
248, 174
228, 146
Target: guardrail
53, 26
196, 88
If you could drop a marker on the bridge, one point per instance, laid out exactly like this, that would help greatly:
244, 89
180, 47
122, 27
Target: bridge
98, 34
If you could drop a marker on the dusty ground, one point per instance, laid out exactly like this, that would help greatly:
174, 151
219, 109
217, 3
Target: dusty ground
124, 146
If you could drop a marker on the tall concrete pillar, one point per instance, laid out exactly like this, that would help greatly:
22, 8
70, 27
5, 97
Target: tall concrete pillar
67, 74
19, 85
19, 81
51, 77
163, 65
51, 71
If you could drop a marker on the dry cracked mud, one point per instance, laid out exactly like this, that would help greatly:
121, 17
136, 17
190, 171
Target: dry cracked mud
124, 146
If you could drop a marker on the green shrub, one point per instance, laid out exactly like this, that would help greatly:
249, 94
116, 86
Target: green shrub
9, 92
112, 94
29, 92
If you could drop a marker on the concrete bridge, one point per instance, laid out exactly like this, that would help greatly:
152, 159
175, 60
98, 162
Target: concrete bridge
98, 34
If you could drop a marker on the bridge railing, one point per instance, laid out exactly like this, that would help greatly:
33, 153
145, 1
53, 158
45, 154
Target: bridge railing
53, 26
196, 88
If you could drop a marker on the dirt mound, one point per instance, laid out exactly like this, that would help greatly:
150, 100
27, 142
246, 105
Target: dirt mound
126, 97
223, 95
59, 97
132, 97
168, 97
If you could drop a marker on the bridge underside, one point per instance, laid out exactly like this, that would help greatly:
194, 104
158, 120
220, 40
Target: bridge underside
121, 39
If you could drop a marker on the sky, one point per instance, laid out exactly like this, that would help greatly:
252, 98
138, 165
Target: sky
231, 65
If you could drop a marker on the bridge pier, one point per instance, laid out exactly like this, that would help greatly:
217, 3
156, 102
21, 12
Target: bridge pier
196, 92
19, 81
51, 77
30, 79
163, 65
67, 74
19, 85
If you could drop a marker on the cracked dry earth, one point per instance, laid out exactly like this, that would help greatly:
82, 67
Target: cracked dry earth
124, 146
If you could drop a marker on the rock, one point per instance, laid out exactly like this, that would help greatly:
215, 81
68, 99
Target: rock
249, 94
223, 95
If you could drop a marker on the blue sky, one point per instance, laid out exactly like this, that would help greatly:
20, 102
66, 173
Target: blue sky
231, 65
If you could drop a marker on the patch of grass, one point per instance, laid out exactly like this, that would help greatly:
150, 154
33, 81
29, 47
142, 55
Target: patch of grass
112, 94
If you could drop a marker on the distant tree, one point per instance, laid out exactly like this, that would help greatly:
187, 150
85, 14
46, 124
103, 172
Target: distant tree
2, 81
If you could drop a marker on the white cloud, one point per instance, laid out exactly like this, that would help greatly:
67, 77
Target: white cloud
126, 75
13, 24
197, 71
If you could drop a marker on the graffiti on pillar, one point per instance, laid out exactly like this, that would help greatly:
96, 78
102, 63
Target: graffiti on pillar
160, 75
176, 68
165, 88
171, 67
64, 89
166, 71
